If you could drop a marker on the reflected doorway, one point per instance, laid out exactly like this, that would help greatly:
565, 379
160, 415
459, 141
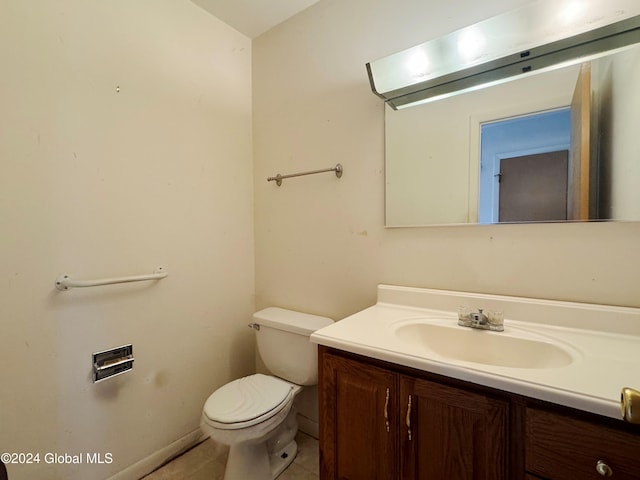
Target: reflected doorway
533, 188
523, 161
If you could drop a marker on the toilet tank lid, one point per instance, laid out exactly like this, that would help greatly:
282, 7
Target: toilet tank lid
290, 321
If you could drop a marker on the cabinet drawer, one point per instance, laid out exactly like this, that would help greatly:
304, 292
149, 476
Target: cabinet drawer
559, 447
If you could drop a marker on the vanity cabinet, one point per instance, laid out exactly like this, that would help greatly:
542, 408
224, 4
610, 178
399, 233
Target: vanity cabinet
560, 447
450, 433
359, 430
384, 421
380, 424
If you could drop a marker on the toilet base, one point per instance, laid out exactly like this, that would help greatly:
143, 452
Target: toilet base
281, 460
252, 461
264, 457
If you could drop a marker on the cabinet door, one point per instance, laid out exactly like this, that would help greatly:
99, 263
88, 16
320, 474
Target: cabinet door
358, 427
452, 434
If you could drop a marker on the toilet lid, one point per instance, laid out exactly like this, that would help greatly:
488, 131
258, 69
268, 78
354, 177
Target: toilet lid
247, 401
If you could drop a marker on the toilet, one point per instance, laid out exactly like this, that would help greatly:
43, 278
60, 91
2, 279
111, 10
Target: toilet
255, 415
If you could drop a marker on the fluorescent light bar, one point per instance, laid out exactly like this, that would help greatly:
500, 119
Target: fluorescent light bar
536, 37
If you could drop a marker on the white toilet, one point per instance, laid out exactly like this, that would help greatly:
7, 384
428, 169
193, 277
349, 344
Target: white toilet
254, 415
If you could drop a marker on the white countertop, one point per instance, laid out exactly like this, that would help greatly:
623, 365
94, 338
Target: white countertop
603, 360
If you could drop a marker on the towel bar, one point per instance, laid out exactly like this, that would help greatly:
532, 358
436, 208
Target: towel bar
278, 178
64, 282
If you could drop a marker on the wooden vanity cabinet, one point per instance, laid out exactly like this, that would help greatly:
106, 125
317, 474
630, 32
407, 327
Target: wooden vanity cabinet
380, 424
565, 447
450, 433
357, 402
384, 421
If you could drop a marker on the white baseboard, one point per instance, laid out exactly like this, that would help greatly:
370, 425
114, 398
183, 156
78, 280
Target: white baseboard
160, 457
308, 426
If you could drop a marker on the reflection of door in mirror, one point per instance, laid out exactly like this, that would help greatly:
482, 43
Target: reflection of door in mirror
533, 188
579, 166
432, 172
521, 180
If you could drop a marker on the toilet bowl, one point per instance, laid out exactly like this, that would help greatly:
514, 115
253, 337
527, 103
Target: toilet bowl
255, 415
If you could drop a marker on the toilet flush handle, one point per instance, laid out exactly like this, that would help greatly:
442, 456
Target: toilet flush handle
255, 326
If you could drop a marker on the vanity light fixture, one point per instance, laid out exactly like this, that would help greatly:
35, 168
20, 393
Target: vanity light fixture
471, 44
538, 37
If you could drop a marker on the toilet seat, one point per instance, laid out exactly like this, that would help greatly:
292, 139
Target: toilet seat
247, 401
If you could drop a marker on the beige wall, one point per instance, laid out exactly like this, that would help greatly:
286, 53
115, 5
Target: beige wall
320, 242
96, 183
619, 78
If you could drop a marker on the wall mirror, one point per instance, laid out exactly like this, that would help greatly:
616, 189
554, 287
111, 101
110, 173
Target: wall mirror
550, 146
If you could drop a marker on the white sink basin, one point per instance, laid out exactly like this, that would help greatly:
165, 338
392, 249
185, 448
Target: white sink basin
512, 348
578, 355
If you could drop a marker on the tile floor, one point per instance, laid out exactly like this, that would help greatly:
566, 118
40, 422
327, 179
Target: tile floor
206, 461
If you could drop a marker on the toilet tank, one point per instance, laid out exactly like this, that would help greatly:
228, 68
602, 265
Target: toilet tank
284, 345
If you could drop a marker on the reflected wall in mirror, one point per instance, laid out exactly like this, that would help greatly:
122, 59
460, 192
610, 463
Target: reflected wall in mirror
435, 175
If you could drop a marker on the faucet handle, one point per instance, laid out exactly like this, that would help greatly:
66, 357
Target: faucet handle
464, 318
496, 320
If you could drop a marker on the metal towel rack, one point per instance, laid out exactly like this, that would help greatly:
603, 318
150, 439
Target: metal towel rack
64, 282
278, 178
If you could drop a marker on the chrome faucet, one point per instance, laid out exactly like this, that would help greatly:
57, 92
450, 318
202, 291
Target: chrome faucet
480, 320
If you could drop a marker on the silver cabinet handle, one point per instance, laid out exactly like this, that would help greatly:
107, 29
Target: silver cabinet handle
386, 410
408, 419
604, 469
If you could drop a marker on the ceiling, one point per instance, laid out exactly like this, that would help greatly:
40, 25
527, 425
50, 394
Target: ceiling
253, 17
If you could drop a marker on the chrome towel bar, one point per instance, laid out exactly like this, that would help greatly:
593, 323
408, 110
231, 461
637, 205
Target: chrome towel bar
64, 282
278, 178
